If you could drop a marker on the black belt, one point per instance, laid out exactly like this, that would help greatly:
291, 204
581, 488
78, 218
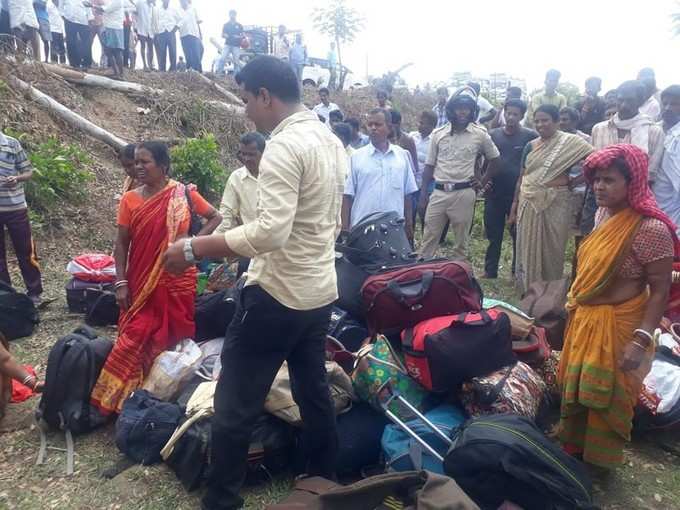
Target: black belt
452, 186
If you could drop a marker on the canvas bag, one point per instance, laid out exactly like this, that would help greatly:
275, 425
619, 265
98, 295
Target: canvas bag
417, 489
281, 404
545, 302
172, 369
520, 322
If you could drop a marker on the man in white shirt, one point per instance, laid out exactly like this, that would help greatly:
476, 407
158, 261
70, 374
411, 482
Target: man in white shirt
651, 106
440, 108
166, 40
190, 35
487, 111
667, 185
57, 47
145, 32
281, 44
78, 34
325, 107
24, 25
285, 306
381, 177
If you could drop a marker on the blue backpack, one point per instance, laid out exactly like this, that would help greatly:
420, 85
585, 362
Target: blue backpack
403, 453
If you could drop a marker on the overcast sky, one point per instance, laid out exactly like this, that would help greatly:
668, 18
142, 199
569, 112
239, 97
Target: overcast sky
609, 38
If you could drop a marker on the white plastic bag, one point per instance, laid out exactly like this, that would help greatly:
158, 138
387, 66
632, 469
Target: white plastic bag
172, 369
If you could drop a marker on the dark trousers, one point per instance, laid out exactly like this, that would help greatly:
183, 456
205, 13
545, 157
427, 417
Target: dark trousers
126, 45
78, 44
19, 229
166, 45
5, 28
496, 212
192, 52
57, 49
262, 335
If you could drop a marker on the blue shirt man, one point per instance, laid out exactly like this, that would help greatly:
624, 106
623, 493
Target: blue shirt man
381, 177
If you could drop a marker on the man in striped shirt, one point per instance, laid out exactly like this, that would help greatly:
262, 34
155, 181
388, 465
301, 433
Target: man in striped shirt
15, 169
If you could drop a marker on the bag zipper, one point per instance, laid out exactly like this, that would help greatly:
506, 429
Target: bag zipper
539, 448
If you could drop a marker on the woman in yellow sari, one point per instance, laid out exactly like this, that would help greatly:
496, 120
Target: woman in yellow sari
615, 304
543, 198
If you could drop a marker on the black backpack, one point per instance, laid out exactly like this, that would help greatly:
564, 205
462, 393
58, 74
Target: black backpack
506, 457
213, 313
379, 240
103, 310
145, 425
73, 367
18, 316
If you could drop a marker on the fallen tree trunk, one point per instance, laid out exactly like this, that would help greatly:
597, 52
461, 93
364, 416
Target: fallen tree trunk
67, 115
219, 88
95, 80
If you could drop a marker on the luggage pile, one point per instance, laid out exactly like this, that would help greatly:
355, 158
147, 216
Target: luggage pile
89, 290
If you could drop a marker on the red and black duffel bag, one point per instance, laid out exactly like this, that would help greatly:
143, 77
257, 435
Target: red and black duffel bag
401, 298
443, 352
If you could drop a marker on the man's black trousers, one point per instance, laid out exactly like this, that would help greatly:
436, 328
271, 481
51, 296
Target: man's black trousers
496, 212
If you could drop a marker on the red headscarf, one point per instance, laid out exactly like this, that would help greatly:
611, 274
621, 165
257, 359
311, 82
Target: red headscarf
640, 197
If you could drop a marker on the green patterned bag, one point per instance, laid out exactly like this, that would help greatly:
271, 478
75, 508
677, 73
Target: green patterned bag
377, 363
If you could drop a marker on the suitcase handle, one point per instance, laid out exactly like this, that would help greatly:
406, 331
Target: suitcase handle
411, 293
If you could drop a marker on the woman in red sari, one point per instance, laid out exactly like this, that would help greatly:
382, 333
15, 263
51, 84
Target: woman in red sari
157, 308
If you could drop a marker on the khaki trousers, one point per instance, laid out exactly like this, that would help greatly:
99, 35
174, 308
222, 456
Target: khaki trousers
456, 207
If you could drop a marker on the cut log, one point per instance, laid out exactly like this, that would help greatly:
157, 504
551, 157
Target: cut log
96, 80
67, 115
233, 98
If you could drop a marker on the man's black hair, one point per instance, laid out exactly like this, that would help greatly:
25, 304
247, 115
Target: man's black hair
396, 117
634, 85
335, 116
128, 152
384, 112
672, 91
431, 116
475, 86
267, 72
549, 109
160, 153
324, 89
354, 122
553, 73
516, 103
514, 91
574, 115
343, 131
256, 138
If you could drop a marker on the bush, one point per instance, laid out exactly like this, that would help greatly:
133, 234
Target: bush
197, 161
59, 173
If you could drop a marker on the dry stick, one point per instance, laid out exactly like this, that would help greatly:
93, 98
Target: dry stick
68, 115
219, 88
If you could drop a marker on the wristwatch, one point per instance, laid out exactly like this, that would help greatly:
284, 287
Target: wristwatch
189, 250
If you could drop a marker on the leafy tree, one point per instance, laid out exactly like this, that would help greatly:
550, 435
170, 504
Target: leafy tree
197, 161
341, 23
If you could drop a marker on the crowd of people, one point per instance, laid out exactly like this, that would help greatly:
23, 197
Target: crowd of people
606, 171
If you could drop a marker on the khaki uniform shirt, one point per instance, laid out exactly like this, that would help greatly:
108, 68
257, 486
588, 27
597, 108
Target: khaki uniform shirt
239, 200
292, 241
453, 154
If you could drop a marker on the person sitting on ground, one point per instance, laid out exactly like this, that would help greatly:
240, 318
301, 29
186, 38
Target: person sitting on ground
615, 304
591, 107
487, 111
548, 95
405, 142
11, 370
325, 107
542, 206
358, 138
381, 177
157, 308
335, 116
15, 170
126, 157
440, 108
24, 25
